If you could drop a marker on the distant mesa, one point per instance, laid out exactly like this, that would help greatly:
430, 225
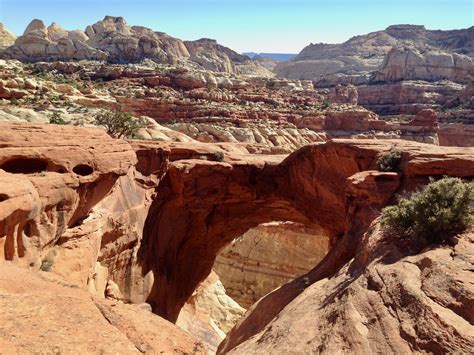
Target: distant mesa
275, 56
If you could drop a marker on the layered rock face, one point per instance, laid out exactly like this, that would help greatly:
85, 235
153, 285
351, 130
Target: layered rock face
407, 97
267, 257
108, 212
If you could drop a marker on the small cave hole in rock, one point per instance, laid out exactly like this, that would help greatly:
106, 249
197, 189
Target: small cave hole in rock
3, 197
83, 169
25, 166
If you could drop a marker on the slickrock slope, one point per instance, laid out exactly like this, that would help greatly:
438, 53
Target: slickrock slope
144, 221
267, 257
383, 301
42, 313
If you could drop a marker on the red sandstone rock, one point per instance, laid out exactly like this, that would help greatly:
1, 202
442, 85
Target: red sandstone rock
52, 177
384, 300
44, 313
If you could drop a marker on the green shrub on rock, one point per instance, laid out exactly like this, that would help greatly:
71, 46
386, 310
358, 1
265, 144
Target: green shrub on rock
390, 162
440, 210
119, 124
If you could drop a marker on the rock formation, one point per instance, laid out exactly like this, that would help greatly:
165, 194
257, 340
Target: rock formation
424, 64
114, 41
219, 201
354, 60
6, 37
366, 192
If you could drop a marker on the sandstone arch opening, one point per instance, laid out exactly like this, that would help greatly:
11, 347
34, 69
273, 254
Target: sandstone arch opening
201, 206
268, 256
25, 165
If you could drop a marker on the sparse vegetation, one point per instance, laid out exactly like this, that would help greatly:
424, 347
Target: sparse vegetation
218, 156
390, 162
440, 210
56, 118
326, 104
119, 124
48, 261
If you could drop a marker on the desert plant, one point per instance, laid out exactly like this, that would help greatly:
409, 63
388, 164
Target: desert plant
56, 118
326, 104
440, 210
218, 156
48, 261
390, 162
119, 124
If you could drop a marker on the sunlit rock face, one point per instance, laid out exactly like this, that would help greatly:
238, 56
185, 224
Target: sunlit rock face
267, 257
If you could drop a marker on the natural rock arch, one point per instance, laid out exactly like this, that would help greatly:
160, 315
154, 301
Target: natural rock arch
202, 206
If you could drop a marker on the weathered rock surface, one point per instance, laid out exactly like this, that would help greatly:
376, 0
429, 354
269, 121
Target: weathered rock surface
45, 191
407, 97
383, 300
42, 313
6, 37
144, 221
266, 257
210, 313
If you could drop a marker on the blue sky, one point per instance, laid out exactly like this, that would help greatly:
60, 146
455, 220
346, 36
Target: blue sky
284, 26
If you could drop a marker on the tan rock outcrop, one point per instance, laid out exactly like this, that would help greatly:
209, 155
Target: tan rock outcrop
408, 63
352, 62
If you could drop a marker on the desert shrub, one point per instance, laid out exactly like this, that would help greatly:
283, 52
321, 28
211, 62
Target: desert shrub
390, 162
440, 210
119, 124
56, 118
218, 156
48, 262
326, 104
